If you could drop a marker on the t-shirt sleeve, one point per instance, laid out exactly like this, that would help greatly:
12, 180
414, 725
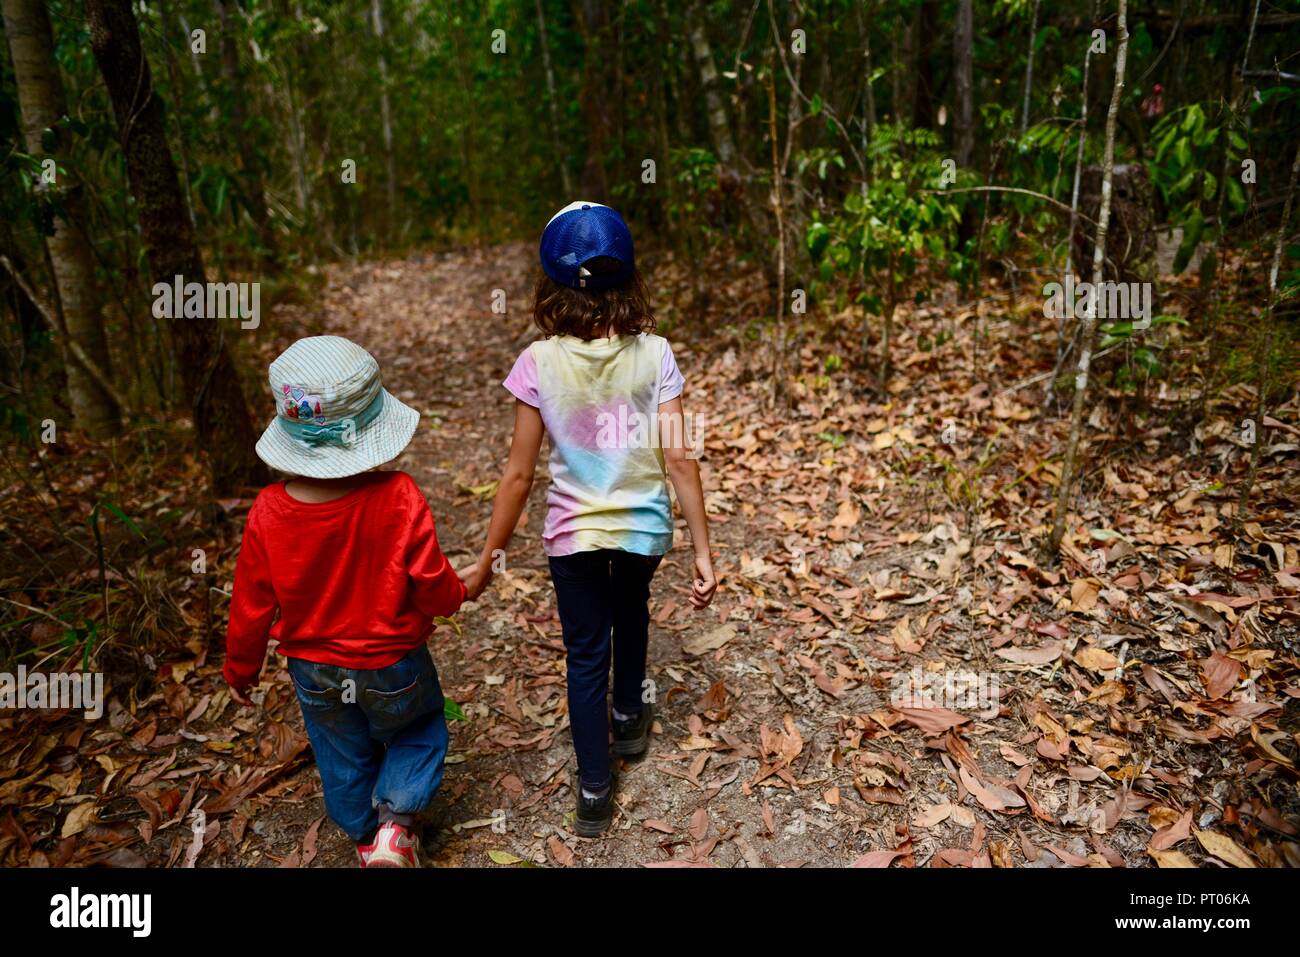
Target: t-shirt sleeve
671, 380
252, 608
522, 380
436, 589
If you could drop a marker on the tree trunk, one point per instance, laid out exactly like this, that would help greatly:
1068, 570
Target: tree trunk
778, 208
925, 26
560, 157
221, 419
868, 94
41, 99
1029, 69
1088, 323
173, 75
963, 58
1064, 342
596, 97
663, 142
1078, 158
254, 189
905, 66
386, 120
887, 330
714, 106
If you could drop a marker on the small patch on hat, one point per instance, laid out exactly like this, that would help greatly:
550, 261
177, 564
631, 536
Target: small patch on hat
301, 405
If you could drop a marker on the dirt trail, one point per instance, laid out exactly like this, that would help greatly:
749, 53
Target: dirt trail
776, 744
1133, 702
508, 785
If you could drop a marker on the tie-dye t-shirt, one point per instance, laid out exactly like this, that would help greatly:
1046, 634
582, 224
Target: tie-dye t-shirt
599, 401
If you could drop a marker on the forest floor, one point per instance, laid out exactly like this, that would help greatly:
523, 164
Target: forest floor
1139, 701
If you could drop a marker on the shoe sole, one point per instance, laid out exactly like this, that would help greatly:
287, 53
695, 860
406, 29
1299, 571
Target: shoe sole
592, 828
632, 749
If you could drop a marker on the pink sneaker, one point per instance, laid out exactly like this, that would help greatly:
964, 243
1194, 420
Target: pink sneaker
394, 846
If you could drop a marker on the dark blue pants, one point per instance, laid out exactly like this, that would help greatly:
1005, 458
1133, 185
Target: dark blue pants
600, 594
378, 735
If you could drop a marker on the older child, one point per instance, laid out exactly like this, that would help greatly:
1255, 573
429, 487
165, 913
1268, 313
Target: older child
608, 392
349, 558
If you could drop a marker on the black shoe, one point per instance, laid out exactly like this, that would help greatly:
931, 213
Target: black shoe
594, 814
631, 737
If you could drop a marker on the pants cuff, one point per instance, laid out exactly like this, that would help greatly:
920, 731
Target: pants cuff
388, 816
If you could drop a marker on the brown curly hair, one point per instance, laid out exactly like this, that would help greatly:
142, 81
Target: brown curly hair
593, 313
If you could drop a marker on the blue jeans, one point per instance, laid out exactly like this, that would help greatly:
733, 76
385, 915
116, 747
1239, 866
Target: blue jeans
602, 598
378, 735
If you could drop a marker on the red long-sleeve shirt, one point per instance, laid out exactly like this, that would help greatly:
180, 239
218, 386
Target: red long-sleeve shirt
357, 580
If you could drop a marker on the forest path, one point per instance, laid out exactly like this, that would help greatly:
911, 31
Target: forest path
846, 577
508, 787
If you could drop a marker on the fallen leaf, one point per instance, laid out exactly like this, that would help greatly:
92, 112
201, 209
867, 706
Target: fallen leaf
712, 641
1224, 848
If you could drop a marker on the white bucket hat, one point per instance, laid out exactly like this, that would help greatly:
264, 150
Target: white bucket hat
333, 416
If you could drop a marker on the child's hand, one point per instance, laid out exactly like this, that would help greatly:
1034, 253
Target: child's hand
475, 578
705, 584
240, 697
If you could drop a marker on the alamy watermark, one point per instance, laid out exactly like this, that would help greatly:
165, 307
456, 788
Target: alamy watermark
133, 912
630, 429
955, 690
60, 691
209, 300
1104, 300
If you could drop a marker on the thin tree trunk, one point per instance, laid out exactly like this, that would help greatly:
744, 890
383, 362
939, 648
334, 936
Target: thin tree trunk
925, 26
596, 97
963, 55
714, 107
662, 91
1063, 340
1078, 157
42, 102
1088, 322
298, 150
173, 74
905, 68
1029, 70
221, 418
254, 188
887, 330
385, 119
896, 66
868, 94
778, 207
560, 158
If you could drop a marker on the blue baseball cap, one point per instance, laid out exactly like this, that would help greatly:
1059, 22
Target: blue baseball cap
581, 232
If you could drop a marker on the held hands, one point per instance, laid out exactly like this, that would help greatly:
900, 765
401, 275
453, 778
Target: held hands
475, 577
706, 582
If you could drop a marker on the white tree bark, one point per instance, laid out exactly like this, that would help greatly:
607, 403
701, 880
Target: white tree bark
42, 102
1088, 322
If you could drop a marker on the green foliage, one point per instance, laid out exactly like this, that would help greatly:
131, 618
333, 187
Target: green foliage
900, 233
1141, 352
1185, 169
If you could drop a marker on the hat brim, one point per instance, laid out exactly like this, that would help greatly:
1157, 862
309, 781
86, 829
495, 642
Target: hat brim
382, 440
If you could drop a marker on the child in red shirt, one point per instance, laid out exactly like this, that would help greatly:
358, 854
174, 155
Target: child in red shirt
349, 558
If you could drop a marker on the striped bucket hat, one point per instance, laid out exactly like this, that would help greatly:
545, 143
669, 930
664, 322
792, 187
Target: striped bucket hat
333, 417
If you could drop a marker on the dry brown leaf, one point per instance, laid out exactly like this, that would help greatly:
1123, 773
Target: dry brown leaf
932, 720
1224, 848
1095, 659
